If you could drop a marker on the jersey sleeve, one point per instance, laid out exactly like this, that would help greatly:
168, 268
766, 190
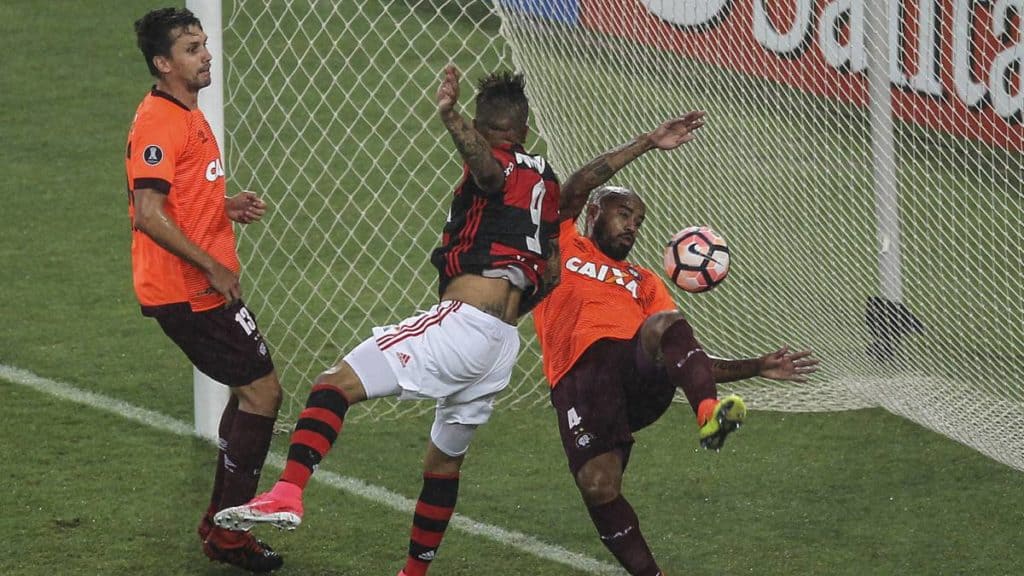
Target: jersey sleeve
660, 299
154, 148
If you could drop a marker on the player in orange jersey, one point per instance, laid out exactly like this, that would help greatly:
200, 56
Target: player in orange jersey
185, 268
616, 348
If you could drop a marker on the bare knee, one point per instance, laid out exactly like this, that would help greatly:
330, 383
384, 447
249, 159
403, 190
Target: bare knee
600, 479
437, 462
654, 328
344, 378
262, 396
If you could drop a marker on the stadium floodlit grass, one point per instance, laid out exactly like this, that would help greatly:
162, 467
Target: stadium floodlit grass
86, 492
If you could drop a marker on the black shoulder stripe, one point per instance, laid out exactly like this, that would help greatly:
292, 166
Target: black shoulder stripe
159, 184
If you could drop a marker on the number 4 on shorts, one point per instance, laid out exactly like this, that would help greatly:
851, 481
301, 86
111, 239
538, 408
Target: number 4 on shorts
573, 418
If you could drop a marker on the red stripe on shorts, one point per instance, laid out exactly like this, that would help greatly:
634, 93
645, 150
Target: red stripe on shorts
417, 329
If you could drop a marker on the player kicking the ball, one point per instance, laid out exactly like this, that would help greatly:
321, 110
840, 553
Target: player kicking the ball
615, 351
500, 232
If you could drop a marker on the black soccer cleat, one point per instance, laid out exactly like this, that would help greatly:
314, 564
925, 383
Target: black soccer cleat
241, 549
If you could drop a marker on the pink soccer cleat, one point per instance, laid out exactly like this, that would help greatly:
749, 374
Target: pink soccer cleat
281, 507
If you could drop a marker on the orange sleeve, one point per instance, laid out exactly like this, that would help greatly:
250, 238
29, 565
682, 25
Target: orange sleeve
155, 144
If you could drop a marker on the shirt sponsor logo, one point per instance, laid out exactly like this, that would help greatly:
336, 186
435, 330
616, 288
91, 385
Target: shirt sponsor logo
605, 273
152, 155
214, 170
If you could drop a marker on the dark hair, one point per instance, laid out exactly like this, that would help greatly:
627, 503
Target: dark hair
501, 102
153, 32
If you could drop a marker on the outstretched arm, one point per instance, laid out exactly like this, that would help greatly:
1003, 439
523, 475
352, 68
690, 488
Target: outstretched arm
474, 148
670, 135
779, 365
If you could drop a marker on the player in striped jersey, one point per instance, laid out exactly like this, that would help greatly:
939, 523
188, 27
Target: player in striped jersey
492, 266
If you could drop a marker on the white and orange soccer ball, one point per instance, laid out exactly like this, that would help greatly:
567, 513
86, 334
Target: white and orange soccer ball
697, 259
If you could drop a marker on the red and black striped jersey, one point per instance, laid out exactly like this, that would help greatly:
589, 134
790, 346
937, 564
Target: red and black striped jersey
493, 231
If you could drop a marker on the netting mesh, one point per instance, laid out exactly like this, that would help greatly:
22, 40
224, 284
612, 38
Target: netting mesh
887, 240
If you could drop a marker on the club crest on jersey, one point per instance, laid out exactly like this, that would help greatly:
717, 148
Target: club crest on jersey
606, 273
152, 155
584, 440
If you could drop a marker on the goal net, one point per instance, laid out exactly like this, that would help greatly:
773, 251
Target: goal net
863, 158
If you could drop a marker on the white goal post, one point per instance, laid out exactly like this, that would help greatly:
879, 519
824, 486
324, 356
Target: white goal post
863, 158
209, 397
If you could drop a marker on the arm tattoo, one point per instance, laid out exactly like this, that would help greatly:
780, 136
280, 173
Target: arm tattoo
602, 172
597, 172
731, 370
476, 151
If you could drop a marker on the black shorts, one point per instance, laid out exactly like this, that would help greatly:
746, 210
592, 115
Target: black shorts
613, 390
223, 343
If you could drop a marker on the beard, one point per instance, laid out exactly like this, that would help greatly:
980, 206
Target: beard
197, 83
608, 243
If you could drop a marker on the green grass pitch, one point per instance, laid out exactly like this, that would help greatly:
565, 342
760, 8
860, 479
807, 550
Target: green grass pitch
86, 492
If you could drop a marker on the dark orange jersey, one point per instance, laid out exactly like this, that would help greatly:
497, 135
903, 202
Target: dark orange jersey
172, 150
598, 297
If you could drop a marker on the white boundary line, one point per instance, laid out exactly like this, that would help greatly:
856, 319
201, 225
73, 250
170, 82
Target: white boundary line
354, 486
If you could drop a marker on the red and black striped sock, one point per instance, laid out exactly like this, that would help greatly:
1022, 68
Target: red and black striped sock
318, 427
688, 366
433, 510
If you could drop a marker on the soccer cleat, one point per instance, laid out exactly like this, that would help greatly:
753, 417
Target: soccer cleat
718, 419
204, 528
241, 549
281, 507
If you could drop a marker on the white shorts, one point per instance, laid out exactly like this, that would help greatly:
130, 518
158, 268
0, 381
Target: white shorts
453, 353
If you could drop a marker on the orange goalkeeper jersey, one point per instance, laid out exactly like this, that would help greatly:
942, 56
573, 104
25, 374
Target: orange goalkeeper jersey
172, 149
598, 297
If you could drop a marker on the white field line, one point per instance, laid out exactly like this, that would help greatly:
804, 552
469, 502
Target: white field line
377, 494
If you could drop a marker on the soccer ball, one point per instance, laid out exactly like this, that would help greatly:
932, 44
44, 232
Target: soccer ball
697, 259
